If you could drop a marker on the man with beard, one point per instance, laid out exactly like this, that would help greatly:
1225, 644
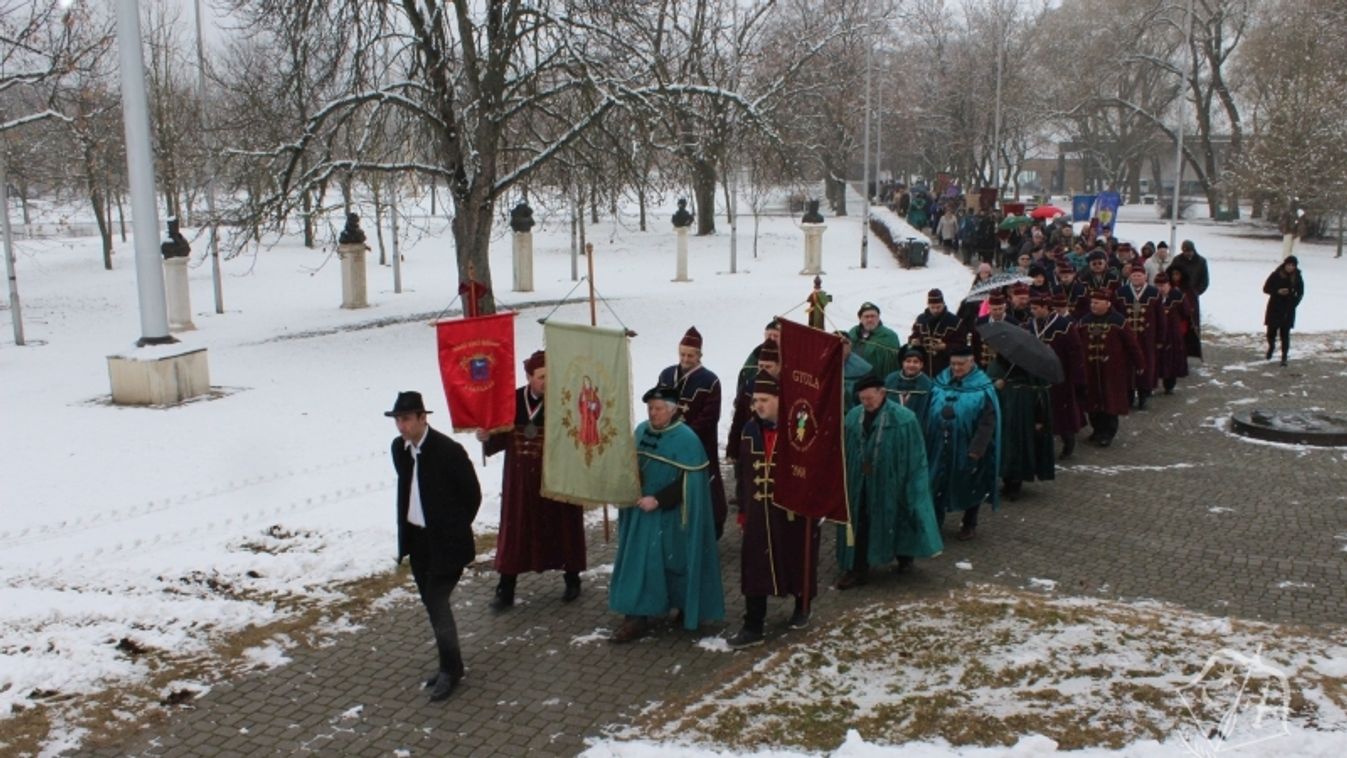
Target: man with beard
1112, 359
1140, 304
1055, 328
875, 343
536, 533
772, 563
1070, 287
770, 333
666, 541
962, 441
1098, 277
937, 331
699, 403
888, 485
1019, 304
910, 386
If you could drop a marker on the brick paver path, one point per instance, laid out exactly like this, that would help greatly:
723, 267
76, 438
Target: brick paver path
1177, 510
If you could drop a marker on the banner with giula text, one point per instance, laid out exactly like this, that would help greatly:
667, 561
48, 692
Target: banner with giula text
589, 453
811, 473
477, 368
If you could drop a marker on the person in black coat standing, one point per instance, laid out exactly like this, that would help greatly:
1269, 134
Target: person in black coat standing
438, 497
1284, 287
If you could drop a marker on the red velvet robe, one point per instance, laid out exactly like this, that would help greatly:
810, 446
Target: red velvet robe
773, 558
1112, 357
1059, 333
1144, 315
536, 533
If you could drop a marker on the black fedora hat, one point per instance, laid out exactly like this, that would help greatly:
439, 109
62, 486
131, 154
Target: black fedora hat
407, 402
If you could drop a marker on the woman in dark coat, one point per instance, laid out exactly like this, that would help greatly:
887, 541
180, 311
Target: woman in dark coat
1285, 287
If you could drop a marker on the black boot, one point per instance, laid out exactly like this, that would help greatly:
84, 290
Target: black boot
572, 587
1068, 446
504, 593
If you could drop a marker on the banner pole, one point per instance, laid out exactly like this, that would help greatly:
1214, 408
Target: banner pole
808, 559
594, 321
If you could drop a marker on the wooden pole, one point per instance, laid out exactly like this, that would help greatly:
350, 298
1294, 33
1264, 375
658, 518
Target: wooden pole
594, 321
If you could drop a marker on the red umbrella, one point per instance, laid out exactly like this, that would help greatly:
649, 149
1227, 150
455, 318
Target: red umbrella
1044, 212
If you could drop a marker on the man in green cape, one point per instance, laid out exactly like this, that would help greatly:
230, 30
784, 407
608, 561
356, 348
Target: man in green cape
963, 440
666, 542
874, 342
888, 486
910, 386
854, 368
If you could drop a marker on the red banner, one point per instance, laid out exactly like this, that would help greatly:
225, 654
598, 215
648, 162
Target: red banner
477, 368
811, 474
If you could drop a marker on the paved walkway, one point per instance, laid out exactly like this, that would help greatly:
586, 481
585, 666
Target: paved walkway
1177, 510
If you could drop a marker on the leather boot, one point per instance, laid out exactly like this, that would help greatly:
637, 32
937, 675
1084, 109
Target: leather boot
572, 587
504, 598
1068, 446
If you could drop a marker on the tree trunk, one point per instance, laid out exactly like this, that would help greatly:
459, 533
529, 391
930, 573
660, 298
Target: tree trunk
837, 190
121, 216
640, 203
472, 239
306, 205
594, 203
104, 229
704, 195
1256, 211
432, 197
378, 217
1134, 181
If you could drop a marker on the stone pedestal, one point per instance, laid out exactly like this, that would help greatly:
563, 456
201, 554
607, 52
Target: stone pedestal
165, 375
179, 297
681, 267
353, 276
813, 248
523, 261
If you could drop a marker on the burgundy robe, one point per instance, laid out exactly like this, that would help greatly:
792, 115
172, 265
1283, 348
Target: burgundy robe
1059, 333
773, 558
536, 533
1143, 313
1171, 354
1112, 357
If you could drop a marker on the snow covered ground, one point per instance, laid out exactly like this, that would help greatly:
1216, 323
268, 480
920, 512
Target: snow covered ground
171, 528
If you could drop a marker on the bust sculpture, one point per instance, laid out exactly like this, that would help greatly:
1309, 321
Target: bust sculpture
811, 214
521, 216
352, 234
682, 217
176, 246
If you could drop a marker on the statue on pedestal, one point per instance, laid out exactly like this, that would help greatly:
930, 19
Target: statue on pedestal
176, 246
811, 215
352, 234
682, 217
521, 216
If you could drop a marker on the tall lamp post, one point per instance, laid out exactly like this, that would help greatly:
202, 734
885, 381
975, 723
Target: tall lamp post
210, 165
1178, 143
865, 150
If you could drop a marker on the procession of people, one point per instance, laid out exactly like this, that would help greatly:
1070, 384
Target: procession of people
961, 415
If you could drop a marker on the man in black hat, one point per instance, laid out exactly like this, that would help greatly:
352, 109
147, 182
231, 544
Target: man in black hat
937, 331
910, 386
773, 556
769, 360
699, 402
438, 497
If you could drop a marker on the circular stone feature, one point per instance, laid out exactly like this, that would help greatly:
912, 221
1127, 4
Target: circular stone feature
1302, 427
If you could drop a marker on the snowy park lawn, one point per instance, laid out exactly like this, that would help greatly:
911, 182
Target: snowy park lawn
989, 667
145, 553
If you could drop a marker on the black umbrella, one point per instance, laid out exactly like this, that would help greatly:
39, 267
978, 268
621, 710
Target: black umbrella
1019, 346
981, 289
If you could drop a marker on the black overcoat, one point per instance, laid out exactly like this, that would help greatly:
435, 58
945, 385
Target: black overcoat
450, 496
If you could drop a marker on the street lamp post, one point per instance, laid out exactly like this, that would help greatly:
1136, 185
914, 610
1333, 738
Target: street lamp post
1178, 143
210, 165
865, 150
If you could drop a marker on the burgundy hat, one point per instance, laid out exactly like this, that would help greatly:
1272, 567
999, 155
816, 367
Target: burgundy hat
1019, 289
692, 338
996, 298
769, 351
935, 296
1065, 268
534, 362
766, 384
1100, 294
1059, 300
1041, 300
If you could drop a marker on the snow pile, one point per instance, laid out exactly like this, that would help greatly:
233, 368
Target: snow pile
987, 667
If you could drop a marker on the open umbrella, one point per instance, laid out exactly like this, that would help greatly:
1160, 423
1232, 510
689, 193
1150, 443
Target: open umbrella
996, 282
1010, 222
1019, 346
1044, 212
